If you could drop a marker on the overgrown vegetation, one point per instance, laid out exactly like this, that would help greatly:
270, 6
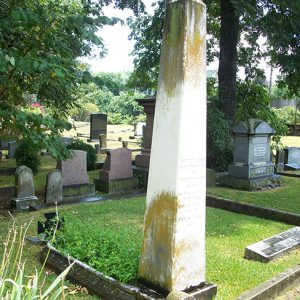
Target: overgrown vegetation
108, 236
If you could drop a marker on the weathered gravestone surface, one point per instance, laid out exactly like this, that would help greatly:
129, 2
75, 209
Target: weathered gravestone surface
102, 141
275, 246
173, 249
98, 125
279, 160
292, 158
75, 178
54, 187
24, 191
67, 140
12, 146
116, 176
252, 167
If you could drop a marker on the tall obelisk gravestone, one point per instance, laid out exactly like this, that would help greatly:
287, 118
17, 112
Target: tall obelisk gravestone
173, 250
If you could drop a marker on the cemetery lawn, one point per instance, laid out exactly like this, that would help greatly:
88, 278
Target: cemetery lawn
107, 235
285, 198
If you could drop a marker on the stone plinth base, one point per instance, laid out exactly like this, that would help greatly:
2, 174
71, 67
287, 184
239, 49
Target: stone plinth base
142, 174
207, 292
117, 186
250, 184
78, 191
23, 203
143, 159
251, 171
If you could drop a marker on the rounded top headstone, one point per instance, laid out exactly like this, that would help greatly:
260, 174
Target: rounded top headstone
253, 126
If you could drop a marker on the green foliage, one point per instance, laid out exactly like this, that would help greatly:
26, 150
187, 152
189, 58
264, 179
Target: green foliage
27, 155
15, 284
40, 43
253, 101
112, 252
83, 112
219, 142
287, 115
91, 156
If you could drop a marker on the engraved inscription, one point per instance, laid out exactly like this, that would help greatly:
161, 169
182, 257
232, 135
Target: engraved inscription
260, 150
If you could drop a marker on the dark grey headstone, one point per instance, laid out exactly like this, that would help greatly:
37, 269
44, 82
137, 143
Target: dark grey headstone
54, 187
275, 246
279, 160
252, 150
12, 146
98, 125
292, 158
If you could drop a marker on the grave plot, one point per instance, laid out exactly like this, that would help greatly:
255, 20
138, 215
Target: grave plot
118, 227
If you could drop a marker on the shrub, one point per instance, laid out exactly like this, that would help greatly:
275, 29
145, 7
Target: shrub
287, 115
83, 112
219, 142
91, 157
27, 155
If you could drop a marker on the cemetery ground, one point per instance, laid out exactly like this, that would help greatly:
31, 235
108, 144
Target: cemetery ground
107, 235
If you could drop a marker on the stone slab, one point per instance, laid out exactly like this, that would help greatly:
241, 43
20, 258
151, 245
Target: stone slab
250, 184
253, 210
23, 203
117, 186
275, 286
292, 166
78, 191
275, 246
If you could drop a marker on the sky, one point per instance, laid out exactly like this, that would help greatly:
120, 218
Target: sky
119, 47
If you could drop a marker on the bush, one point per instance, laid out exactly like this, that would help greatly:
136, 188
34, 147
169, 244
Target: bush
287, 115
91, 157
253, 101
28, 155
83, 112
219, 142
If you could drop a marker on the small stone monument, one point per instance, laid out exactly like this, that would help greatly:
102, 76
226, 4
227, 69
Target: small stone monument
102, 141
116, 176
98, 125
279, 160
292, 158
54, 187
138, 128
75, 178
252, 167
24, 190
173, 249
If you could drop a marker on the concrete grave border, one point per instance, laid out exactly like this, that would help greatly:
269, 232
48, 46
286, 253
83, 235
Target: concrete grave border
286, 174
275, 286
107, 287
253, 210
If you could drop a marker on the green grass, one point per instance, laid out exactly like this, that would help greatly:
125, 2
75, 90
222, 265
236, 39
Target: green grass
108, 236
285, 198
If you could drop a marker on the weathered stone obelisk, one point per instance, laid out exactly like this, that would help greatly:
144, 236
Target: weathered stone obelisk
173, 250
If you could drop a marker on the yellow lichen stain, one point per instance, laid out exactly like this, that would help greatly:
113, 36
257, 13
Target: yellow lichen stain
158, 243
184, 45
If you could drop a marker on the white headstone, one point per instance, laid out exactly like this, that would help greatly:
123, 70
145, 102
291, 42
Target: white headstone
173, 250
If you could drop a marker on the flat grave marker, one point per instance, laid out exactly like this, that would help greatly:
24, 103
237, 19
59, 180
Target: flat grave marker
275, 246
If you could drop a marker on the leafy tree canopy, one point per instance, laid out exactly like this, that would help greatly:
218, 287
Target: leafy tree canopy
40, 41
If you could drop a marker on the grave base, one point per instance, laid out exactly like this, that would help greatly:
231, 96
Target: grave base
250, 184
23, 203
117, 186
142, 174
78, 191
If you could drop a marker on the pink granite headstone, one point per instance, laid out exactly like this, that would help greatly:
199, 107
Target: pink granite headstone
117, 165
74, 170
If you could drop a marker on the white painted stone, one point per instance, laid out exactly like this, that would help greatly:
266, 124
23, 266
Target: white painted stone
176, 261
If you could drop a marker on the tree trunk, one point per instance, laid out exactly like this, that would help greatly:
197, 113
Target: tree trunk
229, 36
